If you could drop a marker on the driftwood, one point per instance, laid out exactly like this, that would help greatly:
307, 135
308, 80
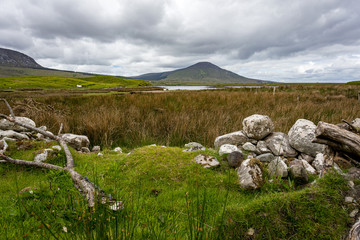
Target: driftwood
339, 139
91, 192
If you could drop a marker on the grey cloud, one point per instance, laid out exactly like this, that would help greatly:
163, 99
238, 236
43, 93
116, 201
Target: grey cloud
144, 35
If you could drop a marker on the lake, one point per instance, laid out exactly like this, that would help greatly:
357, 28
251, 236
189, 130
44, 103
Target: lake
172, 88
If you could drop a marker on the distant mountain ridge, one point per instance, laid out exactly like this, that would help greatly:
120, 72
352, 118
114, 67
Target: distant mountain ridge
199, 73
11, 58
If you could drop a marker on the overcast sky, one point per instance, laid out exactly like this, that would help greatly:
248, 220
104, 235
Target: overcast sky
279, 40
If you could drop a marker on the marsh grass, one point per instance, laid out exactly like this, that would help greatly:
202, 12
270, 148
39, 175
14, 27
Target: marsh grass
175, 118
166, 195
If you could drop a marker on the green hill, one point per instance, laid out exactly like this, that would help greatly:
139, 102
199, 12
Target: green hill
59, 82
203, 73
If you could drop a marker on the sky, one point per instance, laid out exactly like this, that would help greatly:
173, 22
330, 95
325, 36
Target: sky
277, 40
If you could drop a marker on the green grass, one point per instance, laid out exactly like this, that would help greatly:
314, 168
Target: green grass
21, 72
56, 82
353, 83
166, 196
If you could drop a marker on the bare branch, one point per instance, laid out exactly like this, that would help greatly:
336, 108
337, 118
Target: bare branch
68, 155
30, 163
60, 130
8, 106
88, 189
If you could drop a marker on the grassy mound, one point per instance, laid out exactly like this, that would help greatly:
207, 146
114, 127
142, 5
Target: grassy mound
56, 82
166, 196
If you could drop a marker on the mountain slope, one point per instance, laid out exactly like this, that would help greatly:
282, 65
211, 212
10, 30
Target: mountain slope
199, 73
11, 58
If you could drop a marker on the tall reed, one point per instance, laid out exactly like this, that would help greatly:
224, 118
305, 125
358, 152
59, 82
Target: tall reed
175, 118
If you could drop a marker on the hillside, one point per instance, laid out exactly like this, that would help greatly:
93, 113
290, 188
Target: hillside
11, 58
203, 73
17, 64
59, 82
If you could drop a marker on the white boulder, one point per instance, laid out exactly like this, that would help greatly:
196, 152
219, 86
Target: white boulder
7, 125
301, 135
249, 147
12, 134
234, 138
257, 126
278, 168
228, 148
118, 150
76, 141
206, 161
43, 155
309, 169
250, 174
279, 145
319, 162
262, 147
3, 146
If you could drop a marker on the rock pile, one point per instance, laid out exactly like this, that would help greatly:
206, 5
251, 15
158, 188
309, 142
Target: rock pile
282, 155
14, 133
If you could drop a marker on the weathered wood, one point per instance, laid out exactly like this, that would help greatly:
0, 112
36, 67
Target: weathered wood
30, 163
354, 233
91, 193
338, 138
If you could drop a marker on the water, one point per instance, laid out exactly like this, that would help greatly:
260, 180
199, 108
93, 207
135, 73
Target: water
172, 88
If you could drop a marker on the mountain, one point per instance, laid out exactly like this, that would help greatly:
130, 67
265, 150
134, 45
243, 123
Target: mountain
11, 58
200, 73
17, 64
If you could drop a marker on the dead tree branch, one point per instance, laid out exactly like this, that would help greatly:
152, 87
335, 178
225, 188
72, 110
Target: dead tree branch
91, 193
337, 138
10, 109
30, 163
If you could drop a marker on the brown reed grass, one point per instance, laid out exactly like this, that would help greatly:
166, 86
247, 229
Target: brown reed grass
175, 118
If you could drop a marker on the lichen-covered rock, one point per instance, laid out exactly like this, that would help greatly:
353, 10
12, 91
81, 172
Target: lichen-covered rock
56, 147
228, 148
297, 172
118, 150
195, 148
356, 123
266, 157
235, 159
12, 135
262, 147
7, 125
250, 174
85, 150
193, 144
278, 168
279, 145
309, 169
3, 146
76, 141
42, 155
96, 149
206, 161
249, 147
306, 157
301, 135
319, 162
257, 126
234, 138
